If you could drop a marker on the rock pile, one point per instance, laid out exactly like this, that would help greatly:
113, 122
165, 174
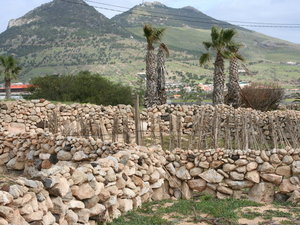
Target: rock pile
83, 181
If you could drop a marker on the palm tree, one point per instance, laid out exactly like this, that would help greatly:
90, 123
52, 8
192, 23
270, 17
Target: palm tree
153, 35
220, 39
10, 69
163, 51
233, 96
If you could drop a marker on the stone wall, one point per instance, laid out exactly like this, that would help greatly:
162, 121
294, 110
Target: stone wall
41, 115
79, 180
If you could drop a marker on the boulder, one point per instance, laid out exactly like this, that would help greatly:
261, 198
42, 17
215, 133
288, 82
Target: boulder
262, 192
212, 176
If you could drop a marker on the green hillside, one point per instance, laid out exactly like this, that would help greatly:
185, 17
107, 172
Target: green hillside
66, 36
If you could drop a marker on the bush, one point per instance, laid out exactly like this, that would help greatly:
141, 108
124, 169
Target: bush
83, 87
262, 96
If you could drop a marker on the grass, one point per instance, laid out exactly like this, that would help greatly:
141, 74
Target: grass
152, 212
209, 210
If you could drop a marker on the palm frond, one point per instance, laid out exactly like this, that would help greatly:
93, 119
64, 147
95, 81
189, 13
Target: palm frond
215, 34
240, 57
227, 54
204, 59
157, 34
148, 32
165, 49
207, 45
228, 35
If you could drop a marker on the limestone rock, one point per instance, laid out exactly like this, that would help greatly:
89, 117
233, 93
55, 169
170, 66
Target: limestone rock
197, 184
212, 176
262, 192
253, 176
183, 174
273, 178
84, 191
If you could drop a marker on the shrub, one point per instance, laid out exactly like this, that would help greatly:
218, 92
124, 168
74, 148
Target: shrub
262, 96
83, 87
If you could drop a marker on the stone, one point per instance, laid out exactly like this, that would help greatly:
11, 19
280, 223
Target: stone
295, 197
58, 206
274, 159
158, 184
204, 165
287, 159
97, 210
128, 193
3, 221
284, 171
197, 184
241, 162
104, 195
48, 219
183, 174
262, 192
75, 204
79, 177
251, 166
125, 205
5, 198
212, 176
4, 158
15, 164
216, 164
266, 168
84, 191
286, 186
221, 195
253, 176
264, 156
80, 156
296, 168
295, 180
196, 171
228, 167
83, 215
71, 217
236, 176
186, 191
6, 212
170, 167
64, 156
35, 216
111, 175
225, 190
154, 176
138, 181
238, 185
61, 189
273, 178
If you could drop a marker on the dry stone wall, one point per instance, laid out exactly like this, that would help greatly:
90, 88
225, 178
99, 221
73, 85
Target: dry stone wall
85, 180
79, 119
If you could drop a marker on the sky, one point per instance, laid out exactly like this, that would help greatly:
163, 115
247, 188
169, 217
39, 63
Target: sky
261, 11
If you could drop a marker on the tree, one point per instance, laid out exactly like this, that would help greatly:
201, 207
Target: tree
220, 39
163, 51
153, 35
233, 96
10, 70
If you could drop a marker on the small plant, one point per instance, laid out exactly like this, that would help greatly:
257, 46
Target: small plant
262, 96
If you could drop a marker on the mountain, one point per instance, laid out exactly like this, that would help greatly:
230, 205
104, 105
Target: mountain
162, 15
66, 36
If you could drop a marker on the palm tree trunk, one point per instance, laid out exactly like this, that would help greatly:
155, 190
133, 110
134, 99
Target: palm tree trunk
161, 80
151, 95
233, 87
7, 89
219, 80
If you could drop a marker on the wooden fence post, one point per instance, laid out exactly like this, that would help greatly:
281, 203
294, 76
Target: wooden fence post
137, 121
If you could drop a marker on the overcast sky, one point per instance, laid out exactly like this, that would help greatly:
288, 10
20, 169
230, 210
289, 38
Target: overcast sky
267, 11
